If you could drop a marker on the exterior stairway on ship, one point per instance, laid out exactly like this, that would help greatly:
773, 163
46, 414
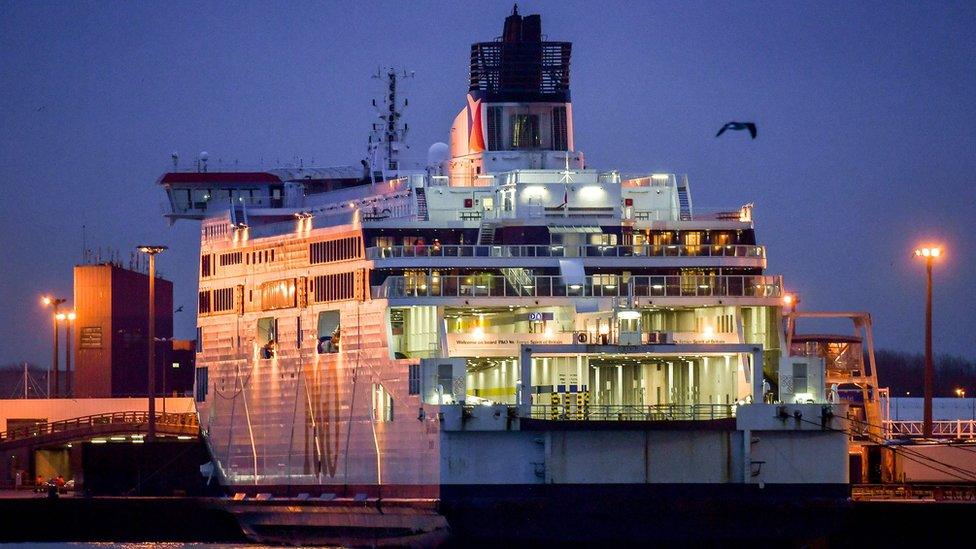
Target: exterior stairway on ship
422, 204
684, 200
520, 280
238, 213
486, 233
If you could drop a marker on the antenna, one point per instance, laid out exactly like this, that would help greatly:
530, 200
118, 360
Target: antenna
567, 176
388, 137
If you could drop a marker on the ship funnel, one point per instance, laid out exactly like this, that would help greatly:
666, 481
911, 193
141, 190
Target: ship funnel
521, 67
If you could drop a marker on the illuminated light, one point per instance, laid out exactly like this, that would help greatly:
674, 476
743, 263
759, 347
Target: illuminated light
657, 286
660, 177
708, 332
549, 331
629, 315
928, 252
184, 437
138, 441
478, 332
788, 299
98, 441
591, 192
703, 286
60, 316
604, 329
575, 286
610, 286
46, 300
116, 438
72, 315
528, 286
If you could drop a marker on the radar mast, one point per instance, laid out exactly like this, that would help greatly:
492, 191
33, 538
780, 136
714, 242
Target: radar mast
388, 136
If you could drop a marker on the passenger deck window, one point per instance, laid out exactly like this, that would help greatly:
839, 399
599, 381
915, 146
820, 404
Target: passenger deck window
800, 378
413, 377
382, 403
525, 131
267, 336
329, 332
203, 379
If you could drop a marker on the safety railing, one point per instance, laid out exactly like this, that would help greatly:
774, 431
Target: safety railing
701, 214
628, 412
914, 492
647, 250
219, 203
187, 419
592, 286
956, 428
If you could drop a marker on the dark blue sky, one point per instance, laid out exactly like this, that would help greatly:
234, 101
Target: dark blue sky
866, 115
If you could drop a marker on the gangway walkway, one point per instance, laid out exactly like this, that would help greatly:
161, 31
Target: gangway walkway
953, 428
98, 425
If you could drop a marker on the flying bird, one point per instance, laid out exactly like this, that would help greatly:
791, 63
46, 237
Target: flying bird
739, 126
179, 309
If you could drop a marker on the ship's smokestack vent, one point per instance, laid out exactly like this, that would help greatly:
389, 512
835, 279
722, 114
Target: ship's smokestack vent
520, 66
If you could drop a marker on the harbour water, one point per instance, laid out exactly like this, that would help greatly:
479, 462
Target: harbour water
863, 524
143, 545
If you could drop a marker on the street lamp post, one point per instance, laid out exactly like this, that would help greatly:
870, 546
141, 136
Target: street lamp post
151, 251
928, 254
54, 302
68, 344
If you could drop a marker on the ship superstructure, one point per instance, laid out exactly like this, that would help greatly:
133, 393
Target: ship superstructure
506, 320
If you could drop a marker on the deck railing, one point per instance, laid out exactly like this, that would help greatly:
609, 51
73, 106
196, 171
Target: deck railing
651, 412
650, 286
646, 250
188, 419
956, 428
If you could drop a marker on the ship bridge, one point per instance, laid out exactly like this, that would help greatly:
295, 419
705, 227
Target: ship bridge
198, 194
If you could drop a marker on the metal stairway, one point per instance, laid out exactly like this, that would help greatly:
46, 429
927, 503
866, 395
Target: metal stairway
684, 200
520, 279
422, 204
486, 233
238, 213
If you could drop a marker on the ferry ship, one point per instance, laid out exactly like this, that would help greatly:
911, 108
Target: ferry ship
506, 331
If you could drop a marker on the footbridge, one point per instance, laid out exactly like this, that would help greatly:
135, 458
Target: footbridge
109, 424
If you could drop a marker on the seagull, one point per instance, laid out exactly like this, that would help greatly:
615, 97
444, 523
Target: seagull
739, 126
179, 309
